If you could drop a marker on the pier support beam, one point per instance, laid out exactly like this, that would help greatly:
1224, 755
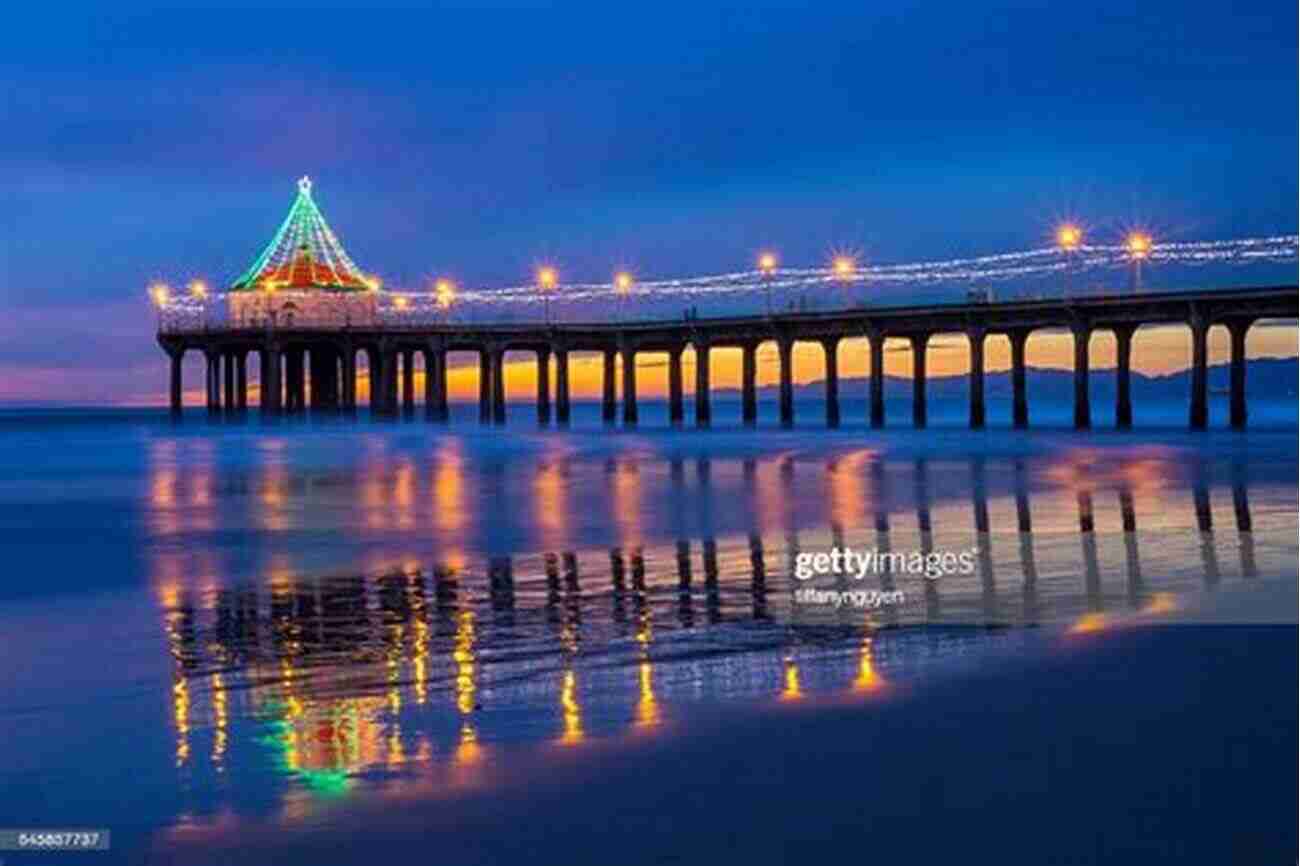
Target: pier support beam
1124, 376
484, 386
876, 341
435, 382
375, 371
176, 390
349, 386
499, 387
544, 386
749, 384
703, 411
1019, 396
211, 362
977, 413
408, 382
272, 380
919, 344
1237, 329
629, 387
391, 383
229, 402
241, 381
831, 348
562, 386
1199, 413
676, 412
785, 349
297, 380
609, 396
1082, 407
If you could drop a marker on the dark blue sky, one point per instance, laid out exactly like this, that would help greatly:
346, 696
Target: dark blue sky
673, 138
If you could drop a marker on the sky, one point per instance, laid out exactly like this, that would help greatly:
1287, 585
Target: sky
476, 140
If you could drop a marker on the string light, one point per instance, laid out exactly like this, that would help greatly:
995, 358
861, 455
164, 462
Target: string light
979, 269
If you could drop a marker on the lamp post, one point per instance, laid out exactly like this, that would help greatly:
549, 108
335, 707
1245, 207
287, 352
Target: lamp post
444, 295
767, 267
1139, 248
160, 294
844, 268
199, 292
546, 282
622, 287
1068, 237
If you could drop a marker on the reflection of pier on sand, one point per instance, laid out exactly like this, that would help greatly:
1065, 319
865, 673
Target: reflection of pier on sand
440, 660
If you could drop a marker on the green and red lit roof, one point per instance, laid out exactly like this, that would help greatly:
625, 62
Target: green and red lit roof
304, 254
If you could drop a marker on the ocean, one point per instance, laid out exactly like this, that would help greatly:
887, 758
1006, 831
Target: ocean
211, 629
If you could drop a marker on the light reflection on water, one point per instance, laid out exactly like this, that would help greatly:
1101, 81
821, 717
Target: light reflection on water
384, 610
492, 618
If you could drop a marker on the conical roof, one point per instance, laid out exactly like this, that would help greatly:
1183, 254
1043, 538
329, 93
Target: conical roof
304, 254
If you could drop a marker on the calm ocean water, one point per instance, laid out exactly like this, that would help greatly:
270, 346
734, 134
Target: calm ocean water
208, 625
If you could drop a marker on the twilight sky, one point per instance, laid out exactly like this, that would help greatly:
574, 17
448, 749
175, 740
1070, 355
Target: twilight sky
671, 138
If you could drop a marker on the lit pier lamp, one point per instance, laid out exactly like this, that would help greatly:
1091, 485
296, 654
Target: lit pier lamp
844, 268
1139, 246
199, 290
767, 267
1069, 237
622, 287
444, 294
160, 295
547, 280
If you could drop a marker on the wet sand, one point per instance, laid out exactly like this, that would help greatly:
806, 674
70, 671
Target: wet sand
1142, 741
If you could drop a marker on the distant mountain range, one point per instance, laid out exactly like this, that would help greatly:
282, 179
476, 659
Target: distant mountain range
1266, 379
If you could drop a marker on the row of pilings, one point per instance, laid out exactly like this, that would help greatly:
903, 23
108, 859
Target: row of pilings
330, 364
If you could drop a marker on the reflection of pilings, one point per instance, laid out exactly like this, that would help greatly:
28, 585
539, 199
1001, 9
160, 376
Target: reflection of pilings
572, 591
1205, 525
880, 499
551, 569
758, 575
501, 584
1241, 508
713, 597
983, 544
921, 487
684, 564
1133, 564
619, 582
1088, 538
1024, 526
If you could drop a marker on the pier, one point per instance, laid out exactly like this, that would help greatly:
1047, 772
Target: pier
291, 356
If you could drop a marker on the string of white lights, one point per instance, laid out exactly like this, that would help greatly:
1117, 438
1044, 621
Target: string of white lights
975, 271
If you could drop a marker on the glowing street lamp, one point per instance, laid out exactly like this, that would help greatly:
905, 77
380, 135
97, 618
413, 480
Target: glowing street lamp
845, 269
199, 289
444, 294
1138, 245
767, 267
160, 295
1069, 237
622, 287
547, 280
